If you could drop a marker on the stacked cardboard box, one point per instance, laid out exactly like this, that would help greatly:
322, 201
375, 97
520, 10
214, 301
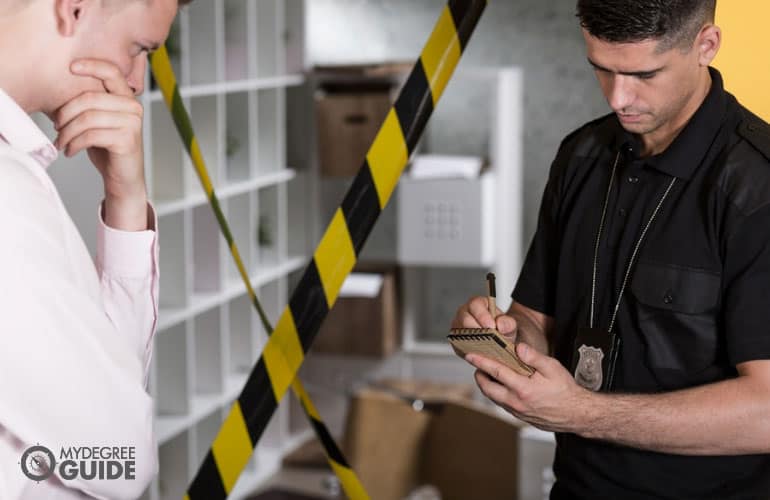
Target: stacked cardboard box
400, 439
364, 326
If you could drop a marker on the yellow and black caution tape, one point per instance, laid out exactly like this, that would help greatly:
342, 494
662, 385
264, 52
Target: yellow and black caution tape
332, 261
233, 442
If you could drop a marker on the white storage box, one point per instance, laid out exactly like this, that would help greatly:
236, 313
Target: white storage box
446, 221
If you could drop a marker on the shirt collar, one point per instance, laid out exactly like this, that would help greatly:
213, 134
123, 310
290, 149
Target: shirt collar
685, 154
20, 132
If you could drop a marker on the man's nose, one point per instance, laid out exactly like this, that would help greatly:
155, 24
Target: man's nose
136, 77
621, 93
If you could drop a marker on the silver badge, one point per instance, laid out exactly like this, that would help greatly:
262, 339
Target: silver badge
589, 369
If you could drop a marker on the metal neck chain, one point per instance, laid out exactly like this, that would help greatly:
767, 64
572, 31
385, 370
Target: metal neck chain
633, 255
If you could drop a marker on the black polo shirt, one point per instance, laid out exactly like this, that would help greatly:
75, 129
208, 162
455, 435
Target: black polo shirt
698, 300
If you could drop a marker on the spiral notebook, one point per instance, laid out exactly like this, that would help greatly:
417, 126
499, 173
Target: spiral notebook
488, 343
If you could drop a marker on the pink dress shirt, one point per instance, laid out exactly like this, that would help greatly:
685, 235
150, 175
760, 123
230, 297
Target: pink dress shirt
76, 336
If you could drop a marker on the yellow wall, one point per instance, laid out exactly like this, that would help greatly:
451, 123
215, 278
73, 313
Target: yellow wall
744, 59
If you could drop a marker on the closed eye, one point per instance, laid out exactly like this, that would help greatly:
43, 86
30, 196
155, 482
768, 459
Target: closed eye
647, 76
641, 75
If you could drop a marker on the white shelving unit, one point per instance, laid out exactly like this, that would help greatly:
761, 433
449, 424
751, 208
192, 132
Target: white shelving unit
433, 290
235, 60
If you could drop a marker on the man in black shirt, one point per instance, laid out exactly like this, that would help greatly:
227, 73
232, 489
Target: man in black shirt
644, 300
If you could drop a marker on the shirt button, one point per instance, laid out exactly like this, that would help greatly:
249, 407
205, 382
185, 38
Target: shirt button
622, 212
668, 298
633, 179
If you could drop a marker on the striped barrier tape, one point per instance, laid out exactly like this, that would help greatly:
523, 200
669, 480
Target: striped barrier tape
228, 471
334, 259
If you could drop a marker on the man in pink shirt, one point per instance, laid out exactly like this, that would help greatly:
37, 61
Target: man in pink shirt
76, 337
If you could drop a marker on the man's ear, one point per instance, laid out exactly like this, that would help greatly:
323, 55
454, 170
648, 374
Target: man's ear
707, 44
69, 13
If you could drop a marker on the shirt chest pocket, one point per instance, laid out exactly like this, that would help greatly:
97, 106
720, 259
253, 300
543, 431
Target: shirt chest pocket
676, 312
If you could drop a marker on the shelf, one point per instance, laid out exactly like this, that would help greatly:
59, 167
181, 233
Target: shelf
264, 180
268, 462
268, 239
173, 473
234, 61
174, 286
237, 53
237, 146
209, 353
205, 432
173, 372
240, 214
202, 302
269, 39
205, 42
271, 295
269, 123
167, 156
294, 35
250, 84
243, 345
207, 113
168, 427
207, 251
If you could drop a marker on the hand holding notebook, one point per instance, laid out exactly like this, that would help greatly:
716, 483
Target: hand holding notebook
488, 342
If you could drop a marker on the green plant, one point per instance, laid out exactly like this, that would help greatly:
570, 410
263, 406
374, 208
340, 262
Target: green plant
232, 146
264, 231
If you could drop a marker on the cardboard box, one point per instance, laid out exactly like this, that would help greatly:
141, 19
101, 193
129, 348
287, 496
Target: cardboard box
383, 441
347, 125
469, 452
351, 105
426, 390
400, 393
363, 326
462, 448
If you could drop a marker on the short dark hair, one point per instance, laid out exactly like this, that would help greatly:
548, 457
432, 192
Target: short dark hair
675, 23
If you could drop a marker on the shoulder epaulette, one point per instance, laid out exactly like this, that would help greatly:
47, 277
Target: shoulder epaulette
756, 132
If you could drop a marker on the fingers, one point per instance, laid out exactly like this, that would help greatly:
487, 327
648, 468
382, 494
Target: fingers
475, 314
109, 139
99, 111
113, 80
543, 364
478, 308
499, 394
96, 101
464, 318
71, 137
499, 372
506, 325
491, 388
